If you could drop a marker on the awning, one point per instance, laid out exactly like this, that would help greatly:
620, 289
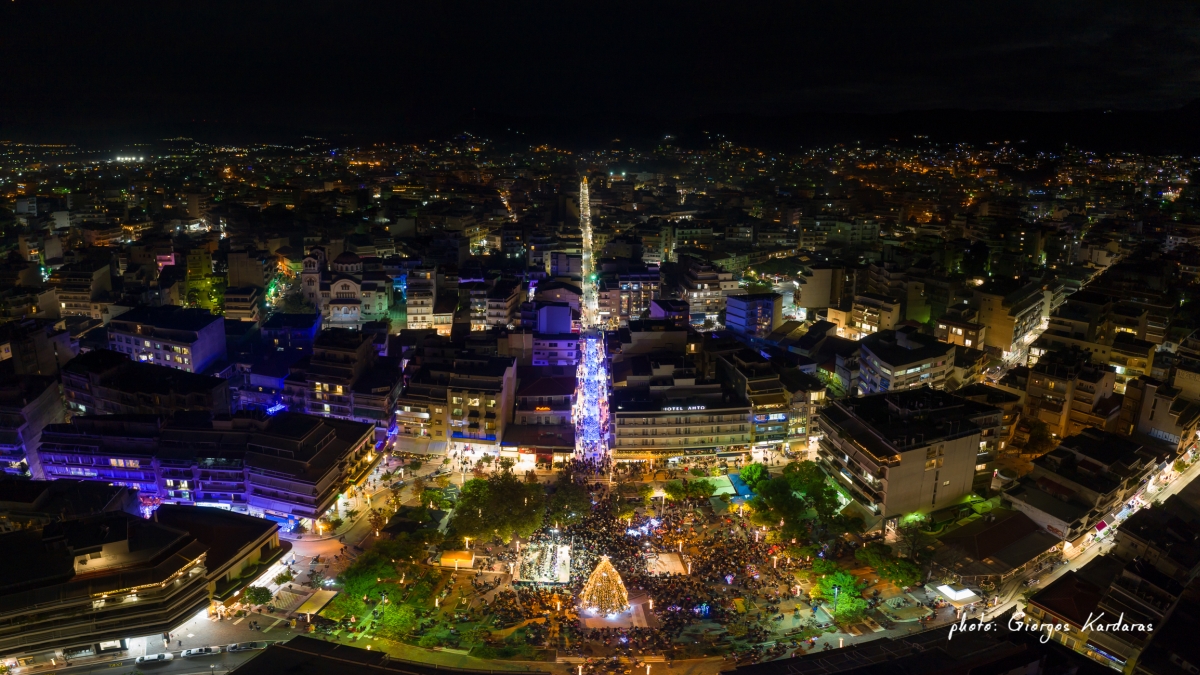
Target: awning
316, 602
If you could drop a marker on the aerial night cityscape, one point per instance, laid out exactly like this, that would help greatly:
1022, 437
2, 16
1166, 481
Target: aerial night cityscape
599, 339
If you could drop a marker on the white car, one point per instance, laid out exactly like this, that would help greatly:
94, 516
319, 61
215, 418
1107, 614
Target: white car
200, 651
155, 658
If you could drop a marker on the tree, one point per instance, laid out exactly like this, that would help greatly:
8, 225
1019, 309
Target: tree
874, 554
378, 520
840, 590
900, 572
502, 505
295, 303
675, 490
316, 578
700, 489
754, 474
646, 493
1040, 440
283, 577
396, 620
911, 536
419, 485
569, 503
257, 595
777, 501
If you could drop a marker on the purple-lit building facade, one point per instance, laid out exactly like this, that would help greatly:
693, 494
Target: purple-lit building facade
288, 467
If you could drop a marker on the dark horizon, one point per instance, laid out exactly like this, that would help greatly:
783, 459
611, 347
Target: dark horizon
135, 71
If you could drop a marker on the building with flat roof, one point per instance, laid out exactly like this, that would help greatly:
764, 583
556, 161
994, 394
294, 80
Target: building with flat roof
1134, 593
192, 340
905, 452
754, 315
34, 347
27, 404
244, 303
1085, 484
1070, 393
85, 585
104, 382
288, 467
894, 360
291, 331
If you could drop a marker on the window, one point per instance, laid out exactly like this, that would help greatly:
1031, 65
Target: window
456, 400
124, 463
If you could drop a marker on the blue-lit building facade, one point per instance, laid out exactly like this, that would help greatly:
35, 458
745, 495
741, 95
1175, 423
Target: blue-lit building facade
288, 467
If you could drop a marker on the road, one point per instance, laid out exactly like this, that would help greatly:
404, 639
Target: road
213, 665
1015, 592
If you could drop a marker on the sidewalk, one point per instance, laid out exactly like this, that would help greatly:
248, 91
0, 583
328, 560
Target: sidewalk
427, 469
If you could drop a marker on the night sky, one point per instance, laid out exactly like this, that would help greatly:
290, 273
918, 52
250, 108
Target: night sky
102, 66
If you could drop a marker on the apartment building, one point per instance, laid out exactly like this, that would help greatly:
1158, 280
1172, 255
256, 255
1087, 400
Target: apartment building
1085, 484
907, 451
192, 340
705, 288
250, 268
752, 378
104, 382
959, 327
894, 360
286, 467
34, 347
1112, 333
501, 304
1133, 593
287, 332
625, 295
244, 303
1070, 393
462, 399
871, 313
82, 288
1154, 410
1012, 312
345, 378
754, 315
689, 418
420, 295
27, 404
84, 586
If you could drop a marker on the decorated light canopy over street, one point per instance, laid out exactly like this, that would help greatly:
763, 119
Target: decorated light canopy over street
604, 593
591, 399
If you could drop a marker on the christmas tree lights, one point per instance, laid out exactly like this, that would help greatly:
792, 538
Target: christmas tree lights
604, 593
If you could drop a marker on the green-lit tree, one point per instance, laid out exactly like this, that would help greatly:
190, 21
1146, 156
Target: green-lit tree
754, 474
257, 595
840, 590
569, 503
502, 505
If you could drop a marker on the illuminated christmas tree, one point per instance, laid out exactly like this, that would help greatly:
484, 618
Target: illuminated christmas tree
604, 593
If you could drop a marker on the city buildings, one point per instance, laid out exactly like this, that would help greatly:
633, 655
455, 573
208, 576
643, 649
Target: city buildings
894, 360
192, 340
288, 467
27, 404
1084, 485
905, 452
705, 288
1068, 393
754, 315
104, 382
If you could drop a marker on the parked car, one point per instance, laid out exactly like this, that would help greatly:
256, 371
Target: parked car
155, 658
200, 651
245, 646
